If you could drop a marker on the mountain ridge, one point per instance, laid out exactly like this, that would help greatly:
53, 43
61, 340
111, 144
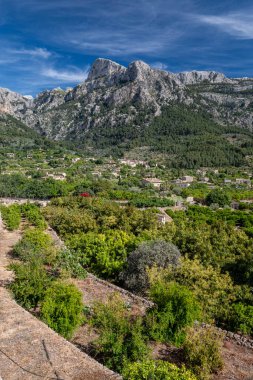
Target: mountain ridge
119, 105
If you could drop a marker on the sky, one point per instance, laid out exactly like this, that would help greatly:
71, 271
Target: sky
52, 43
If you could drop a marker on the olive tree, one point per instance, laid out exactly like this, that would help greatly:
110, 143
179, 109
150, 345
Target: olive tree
157, 253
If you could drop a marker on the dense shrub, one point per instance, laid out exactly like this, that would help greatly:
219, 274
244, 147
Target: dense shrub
38, 243
241, 318
34, 216
62, 308
31, 282
104, 254
203, 351
156, 370
152, 202
213, 290
121, 340
148, 254
175, 309
68, 263
11, 216
19, 186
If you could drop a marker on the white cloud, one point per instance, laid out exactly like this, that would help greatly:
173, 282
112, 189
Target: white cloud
239, 25
159, 65
74, 75
36, 52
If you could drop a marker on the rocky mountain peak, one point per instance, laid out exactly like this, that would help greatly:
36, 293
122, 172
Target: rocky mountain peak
13, 103
195, 77
104, 68
139, 70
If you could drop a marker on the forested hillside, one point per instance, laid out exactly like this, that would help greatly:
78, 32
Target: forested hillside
189, 137
16, 135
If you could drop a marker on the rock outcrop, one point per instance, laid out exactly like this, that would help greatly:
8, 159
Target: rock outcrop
113, 96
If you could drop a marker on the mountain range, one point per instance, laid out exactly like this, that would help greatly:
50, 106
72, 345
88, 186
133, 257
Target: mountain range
188, 116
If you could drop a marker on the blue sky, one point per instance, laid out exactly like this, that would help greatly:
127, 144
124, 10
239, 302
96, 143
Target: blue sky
51, 43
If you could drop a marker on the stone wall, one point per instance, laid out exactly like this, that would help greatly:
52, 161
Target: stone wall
239, 339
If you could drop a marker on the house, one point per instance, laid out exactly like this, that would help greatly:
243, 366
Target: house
10, 155
243, 181
187, 178
235, 205
227, 181
96, 174
133, 163
76, 159
153, 181
190, 200
178, 182
204, 179
57, 177
201, 172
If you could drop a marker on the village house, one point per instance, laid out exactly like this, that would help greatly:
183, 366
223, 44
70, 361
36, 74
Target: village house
96, 174
204, 179
57, 177
76, 159
243, 181
10, 155
153, 181
178, 182
133, 163
187, 178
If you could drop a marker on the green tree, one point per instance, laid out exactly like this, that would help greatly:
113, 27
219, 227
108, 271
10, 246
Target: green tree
148, 254
62, 308
213, 290
175, 309
104, 254
218, 196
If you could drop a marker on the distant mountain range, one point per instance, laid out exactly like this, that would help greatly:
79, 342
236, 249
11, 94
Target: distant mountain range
182, 115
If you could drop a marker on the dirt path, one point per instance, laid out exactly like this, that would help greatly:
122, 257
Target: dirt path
7, 241
28, 348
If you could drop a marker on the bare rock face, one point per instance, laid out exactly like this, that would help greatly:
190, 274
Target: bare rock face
195, 77
113, 96
14, 104
105, 68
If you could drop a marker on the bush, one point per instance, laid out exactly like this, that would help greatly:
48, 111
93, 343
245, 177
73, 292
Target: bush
121, 339
104, 254
34, 216
69, 262
213, 290
153, 253
242, 318
11, 216
62, 308
176, 308
38, 243
202, 349
156, 370
31, 282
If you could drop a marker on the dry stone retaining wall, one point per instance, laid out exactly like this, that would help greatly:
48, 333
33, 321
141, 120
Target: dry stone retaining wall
239, 339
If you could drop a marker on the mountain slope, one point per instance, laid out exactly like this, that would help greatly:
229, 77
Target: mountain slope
194, 117
16, 135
